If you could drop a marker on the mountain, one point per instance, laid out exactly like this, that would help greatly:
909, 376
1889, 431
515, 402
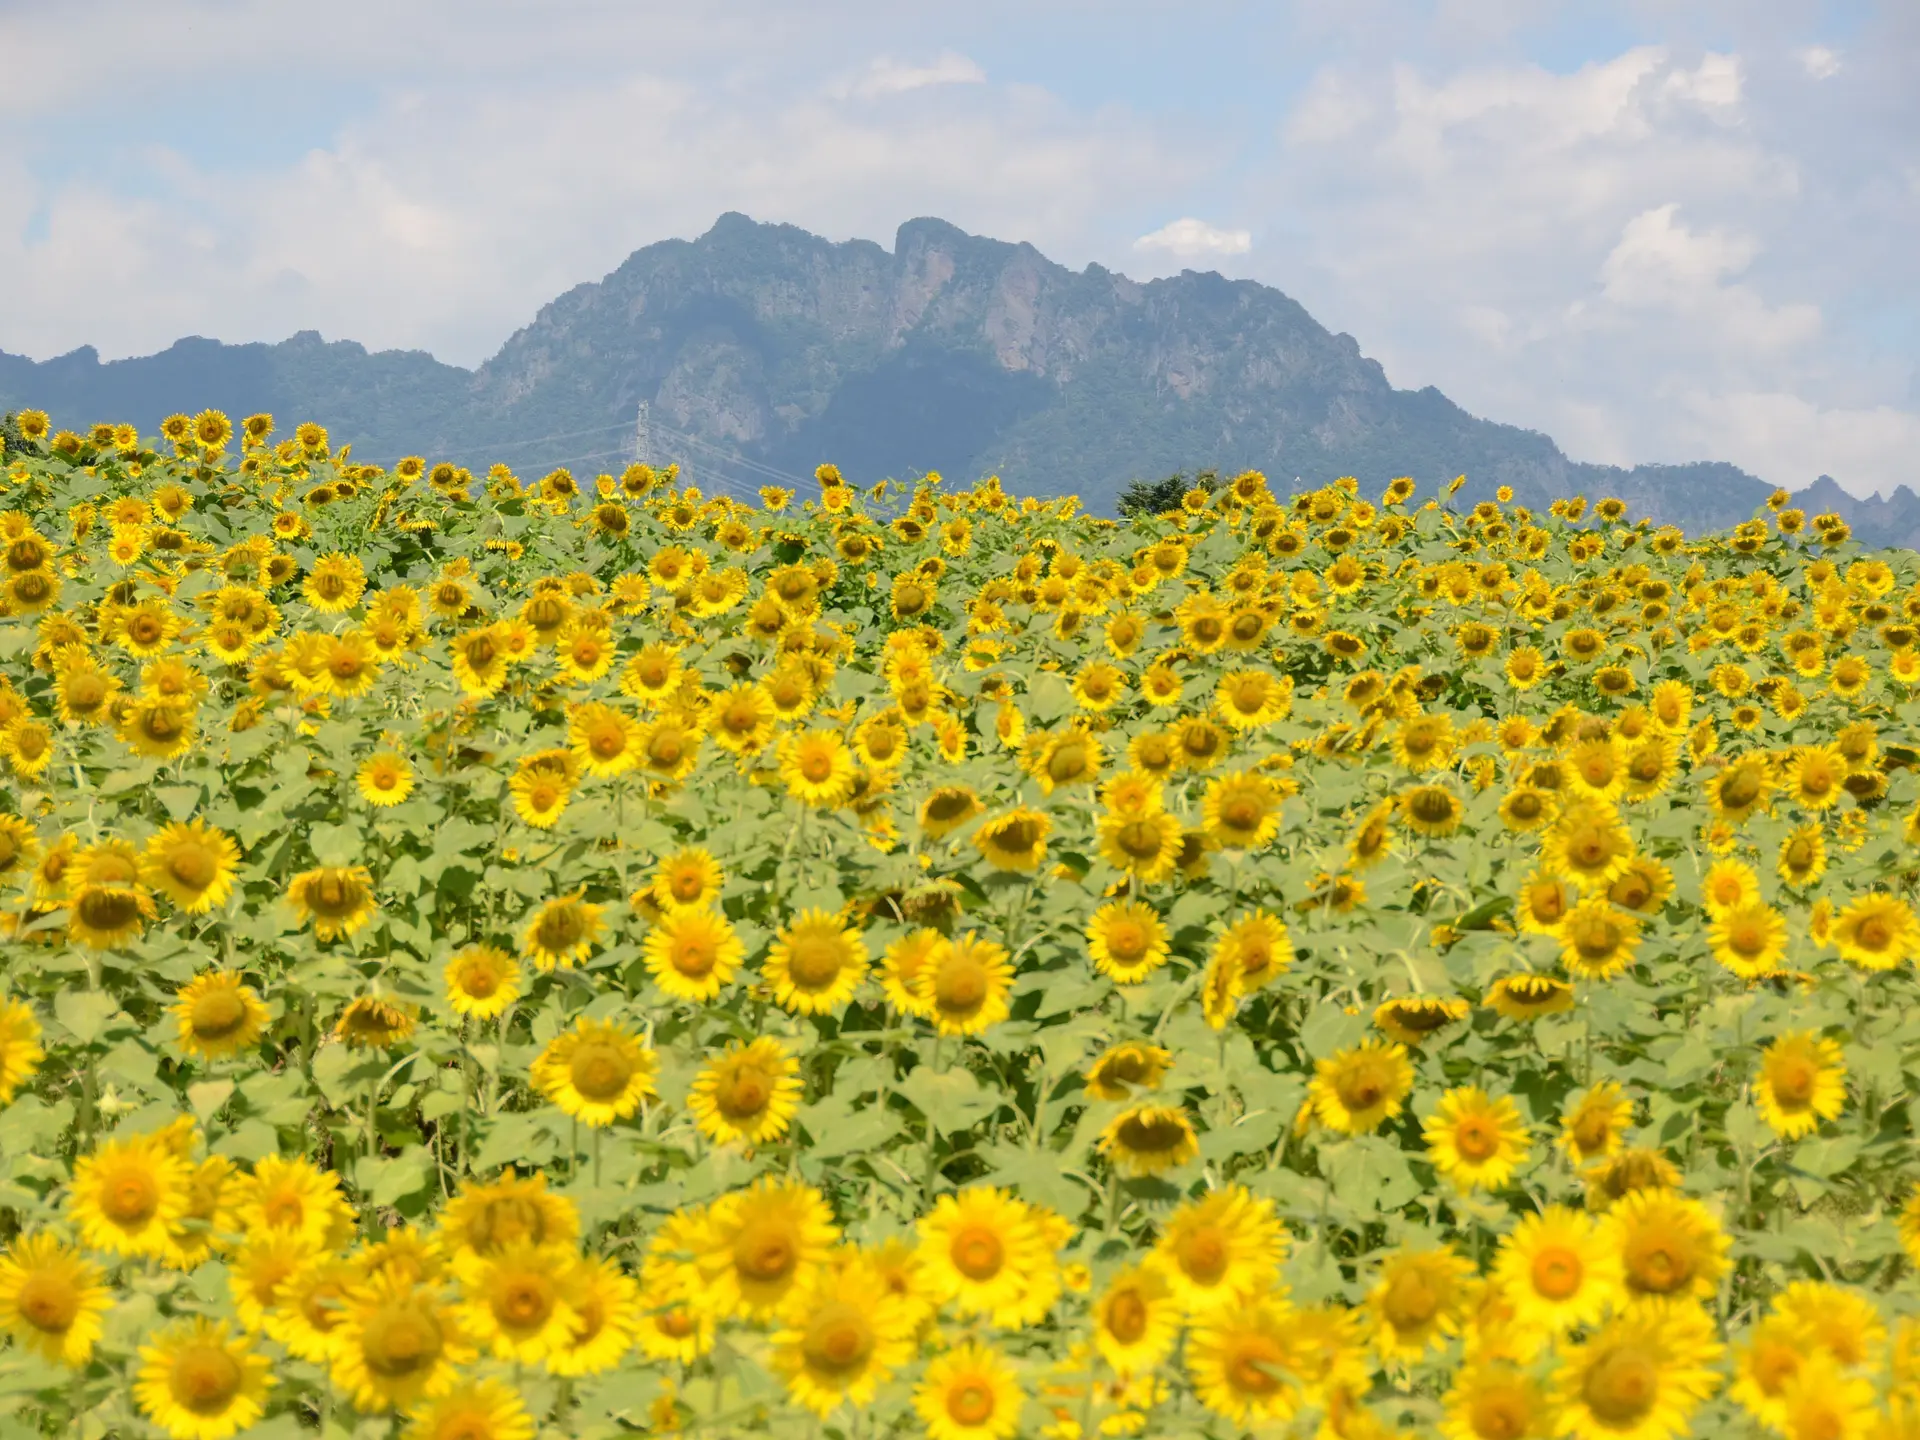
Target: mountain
763, 349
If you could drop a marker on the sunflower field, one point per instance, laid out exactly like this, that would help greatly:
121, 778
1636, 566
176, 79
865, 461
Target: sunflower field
487, 958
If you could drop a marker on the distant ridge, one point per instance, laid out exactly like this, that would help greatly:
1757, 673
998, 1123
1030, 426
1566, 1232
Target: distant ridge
951, 352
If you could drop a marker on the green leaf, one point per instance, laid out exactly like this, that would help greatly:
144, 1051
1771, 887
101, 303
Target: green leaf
837, 1127
1827, 1155
393, 1179
1036, 1175
207, 1097
1369, 1175
952, 1100
336, 845
180, 800
86, 1013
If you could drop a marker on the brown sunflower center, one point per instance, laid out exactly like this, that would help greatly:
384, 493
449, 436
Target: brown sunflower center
1622, 1386
600, 1071
1557, 1272
218, 1014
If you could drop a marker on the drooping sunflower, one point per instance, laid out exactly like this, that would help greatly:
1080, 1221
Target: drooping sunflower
1127, 941
1475, 1140
815, 963
596, 1072
1802, 1081
200, 1381
1527, 997
337, 900
1015, 840
947, 809
692, 954
482, 981
970, 1393
375, 1022
1415, 1019
107, 905
52, 1298
562, 932
1224, 1247
1146, 1140
749, 1093
126, 1194
1354, 1090
756, 1247
219, 1014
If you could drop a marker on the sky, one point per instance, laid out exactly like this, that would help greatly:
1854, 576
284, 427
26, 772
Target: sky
1657, 230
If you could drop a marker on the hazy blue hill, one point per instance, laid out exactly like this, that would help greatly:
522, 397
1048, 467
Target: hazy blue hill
950, 352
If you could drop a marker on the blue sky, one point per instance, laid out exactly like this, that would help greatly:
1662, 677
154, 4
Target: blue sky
1656, 231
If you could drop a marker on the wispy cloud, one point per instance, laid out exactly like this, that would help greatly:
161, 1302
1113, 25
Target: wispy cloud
1821, 63
888, 76
1188, 238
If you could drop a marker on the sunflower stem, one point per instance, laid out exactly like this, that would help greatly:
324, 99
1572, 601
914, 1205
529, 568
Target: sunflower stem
598, 1131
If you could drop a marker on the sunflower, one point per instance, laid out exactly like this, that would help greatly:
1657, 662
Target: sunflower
760, 1245
1224, 1247
817, 768
482, 982
1740, 789
1430, 810
605, 741
372, 1022
1670, 1245
1145, 845
295, 1198
473, 1410
51, 1299
1354, 1090
219, 1015
692, 954
815, 963
1643, 886
1598, 939
596, 1073
969, 1393
1147, 1140
1593, 1125
1750, 939
192, 864
562, 932
396, 1344
1588, 844
126, 1194
1639, 1377
1558, 1271
1814, 776
335, 584
947, 809
1475, 1140
337, 899
1419, 1300
480, 656
1127, 941
102, 914
481, 1219
1242, 1366
307, 1305
1803, 857
741, 719
1775, 1351
1527, 997
1135, 1321
1526, 809
199, 1381
1495, 1400
1015, 840
1251, 699
1415, 1019
1802, 1082
259, 1270
516, 1303
1241, 810
385, 779
687, 879
986, 1253
848, 1332
1070, 757
749, 1093
964, 987
20, 1049
606, 1314
1425, 742
1876, 931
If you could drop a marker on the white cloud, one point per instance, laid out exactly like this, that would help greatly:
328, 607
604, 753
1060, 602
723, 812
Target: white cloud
1821, 62
1188, 238
887, 76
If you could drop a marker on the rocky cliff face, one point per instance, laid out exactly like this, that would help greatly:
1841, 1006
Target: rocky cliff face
949, 352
